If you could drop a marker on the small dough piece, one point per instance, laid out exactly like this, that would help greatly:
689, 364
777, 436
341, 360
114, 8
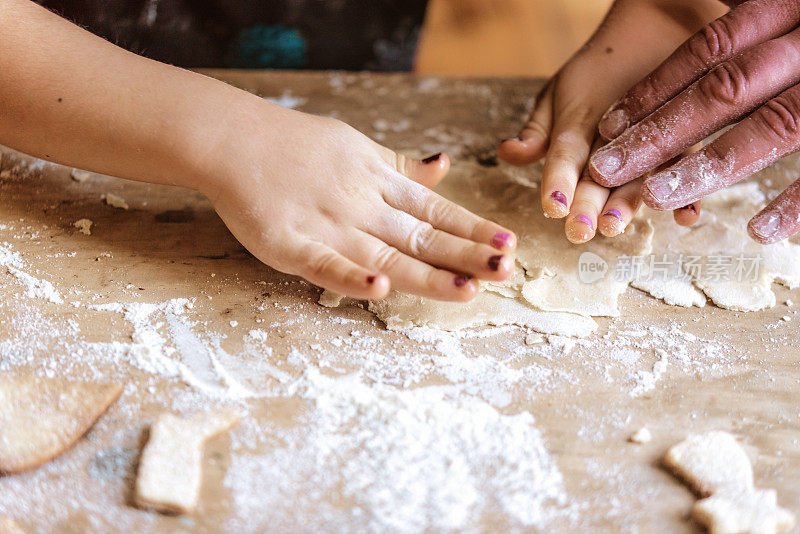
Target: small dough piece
330, 299
641, 436
710, 463
8, 526
115, 201
170, 473
79, 175
84, 226
750, 512
40, 418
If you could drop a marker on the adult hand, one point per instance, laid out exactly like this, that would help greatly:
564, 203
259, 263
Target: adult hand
743, 66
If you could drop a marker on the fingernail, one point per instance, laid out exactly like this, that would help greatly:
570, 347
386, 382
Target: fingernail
614, 212
431, 159
370, 279
461, 281
558, 196
500, 239
663, 185
608, 161
766, 225
585, 220
494, 262
614, 123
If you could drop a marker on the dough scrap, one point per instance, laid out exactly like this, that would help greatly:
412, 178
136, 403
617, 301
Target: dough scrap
41, 417
170, 472
717, 468
8, 526
79, 175
751, 512
641, 436
115, 201
330, 299
84, 226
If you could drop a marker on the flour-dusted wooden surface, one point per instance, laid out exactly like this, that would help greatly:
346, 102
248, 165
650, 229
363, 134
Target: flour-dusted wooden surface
289, 465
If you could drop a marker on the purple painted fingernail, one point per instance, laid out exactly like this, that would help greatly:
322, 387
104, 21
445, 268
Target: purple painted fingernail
494, 262
585, 220
614, 212
500, 239
608, 161
766, 225
370, 279
614, 123
431, 159
558, 196
461, 281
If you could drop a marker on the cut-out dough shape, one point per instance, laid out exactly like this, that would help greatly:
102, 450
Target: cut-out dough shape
717, 468
170, 468
40, 417
8, 526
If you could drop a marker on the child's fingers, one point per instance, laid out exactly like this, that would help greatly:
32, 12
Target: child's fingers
327, 268
582, 220
687, 215
407, 274
568, 152
531, 143
622, 205
420, 240
427, 171
449, 217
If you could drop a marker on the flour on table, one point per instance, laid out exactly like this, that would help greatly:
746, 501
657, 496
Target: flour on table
115, 201
40, 418
84, 226
717, 468
170, 472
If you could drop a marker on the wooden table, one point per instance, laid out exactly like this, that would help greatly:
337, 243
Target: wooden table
739, 374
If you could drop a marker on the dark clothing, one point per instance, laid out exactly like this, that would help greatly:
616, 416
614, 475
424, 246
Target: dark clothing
314, 34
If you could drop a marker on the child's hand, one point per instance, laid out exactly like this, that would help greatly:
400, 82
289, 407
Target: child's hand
634, 38
313, 197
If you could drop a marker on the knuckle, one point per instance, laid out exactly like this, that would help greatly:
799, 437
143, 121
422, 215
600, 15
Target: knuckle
421, 238
712, 43
727, 84
438, 209
386, 258
319, 263
781, 117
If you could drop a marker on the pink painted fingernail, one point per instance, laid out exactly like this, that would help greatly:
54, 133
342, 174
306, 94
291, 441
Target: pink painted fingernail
500, 239
431, 159
614, 212
585, 220
766, 225
370, 280
461, 281
614, 123
608, 161
494, 262
558, 196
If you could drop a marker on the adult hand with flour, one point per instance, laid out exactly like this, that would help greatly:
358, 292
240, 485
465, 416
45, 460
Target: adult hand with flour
635, 36
742, 67
307, 195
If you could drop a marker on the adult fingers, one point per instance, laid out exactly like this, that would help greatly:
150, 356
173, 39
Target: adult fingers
531, 143
420, 240
748, 24
621, 206
780, 219
727, 93
581, 223
449, 217
767, 135
407, 274
327, 268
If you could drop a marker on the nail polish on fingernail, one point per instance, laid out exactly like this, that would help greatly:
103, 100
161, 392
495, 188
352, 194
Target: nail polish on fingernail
461, 281
370, 279
614, 212
608, 161
494, 262
585, 220
431, 159
500, 239
690, 207
766, 225
614, 123
559, 197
